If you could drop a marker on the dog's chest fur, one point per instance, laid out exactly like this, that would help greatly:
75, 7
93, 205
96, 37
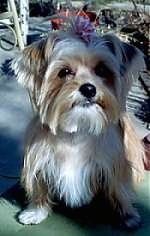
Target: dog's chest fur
77, 168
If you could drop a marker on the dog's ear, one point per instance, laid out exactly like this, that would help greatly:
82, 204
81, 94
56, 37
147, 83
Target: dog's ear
134, 148
130, 58
130, 62
29, 66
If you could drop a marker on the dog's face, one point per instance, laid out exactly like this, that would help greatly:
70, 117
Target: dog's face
79, 88
76, 85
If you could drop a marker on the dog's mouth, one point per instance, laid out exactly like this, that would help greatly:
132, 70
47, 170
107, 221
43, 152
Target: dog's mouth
87, 103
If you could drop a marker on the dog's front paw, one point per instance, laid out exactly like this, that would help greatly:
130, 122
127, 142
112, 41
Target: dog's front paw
33, 215
132, 221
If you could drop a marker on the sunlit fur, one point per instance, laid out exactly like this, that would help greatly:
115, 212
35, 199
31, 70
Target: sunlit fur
74, 148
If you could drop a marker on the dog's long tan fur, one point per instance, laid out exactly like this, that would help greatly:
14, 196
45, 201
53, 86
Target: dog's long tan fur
80, 143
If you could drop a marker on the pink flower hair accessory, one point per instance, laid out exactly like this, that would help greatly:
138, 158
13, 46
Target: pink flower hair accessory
84, 29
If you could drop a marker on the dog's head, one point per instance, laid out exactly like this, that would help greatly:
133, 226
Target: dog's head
79, 84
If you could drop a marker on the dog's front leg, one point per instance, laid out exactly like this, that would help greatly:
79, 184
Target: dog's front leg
129, 218
39, 207
121, 197
38, 154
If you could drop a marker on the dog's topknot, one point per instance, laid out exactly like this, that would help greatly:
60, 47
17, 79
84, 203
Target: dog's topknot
83, 28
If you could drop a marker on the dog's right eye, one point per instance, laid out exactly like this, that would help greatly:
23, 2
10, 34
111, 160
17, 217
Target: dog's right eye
63, 73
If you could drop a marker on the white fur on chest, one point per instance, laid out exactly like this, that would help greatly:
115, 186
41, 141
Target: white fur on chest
72, 177
76, 169
73, 183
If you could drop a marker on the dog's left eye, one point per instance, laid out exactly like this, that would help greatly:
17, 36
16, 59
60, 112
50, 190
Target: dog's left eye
102, 70
105, 73
63, 73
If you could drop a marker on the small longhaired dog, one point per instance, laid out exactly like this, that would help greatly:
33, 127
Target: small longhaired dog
81, 141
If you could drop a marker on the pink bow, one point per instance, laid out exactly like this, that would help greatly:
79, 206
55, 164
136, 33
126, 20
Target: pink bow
85, 29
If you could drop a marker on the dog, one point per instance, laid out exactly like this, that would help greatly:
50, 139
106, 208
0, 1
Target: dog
81, 141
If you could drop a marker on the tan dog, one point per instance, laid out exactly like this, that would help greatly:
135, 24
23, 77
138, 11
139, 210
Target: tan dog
81, 141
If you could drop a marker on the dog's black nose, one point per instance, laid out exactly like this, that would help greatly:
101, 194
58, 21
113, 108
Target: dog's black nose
88, 90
